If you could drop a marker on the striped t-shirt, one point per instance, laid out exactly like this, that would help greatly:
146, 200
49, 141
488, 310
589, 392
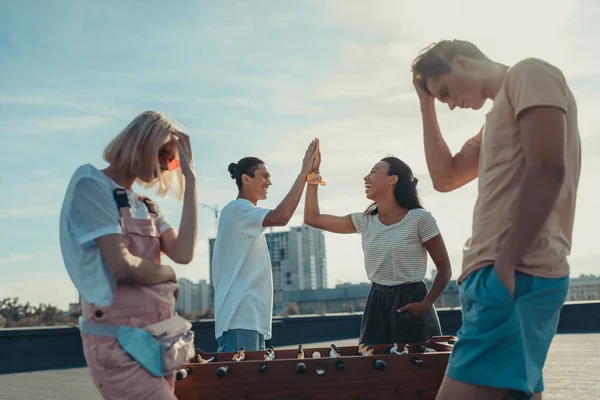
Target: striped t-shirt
395, 254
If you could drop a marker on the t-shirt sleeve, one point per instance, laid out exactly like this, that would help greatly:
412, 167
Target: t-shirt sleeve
359, 219
427, 227
93, 212
162, 222
532, 83
250, 219
473, 144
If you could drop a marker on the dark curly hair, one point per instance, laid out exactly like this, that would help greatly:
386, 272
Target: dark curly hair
405, 190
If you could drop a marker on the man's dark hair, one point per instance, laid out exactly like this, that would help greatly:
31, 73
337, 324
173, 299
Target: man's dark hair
436, 59
246, 165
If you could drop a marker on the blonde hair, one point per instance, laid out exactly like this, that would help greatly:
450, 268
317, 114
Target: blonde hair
137, 146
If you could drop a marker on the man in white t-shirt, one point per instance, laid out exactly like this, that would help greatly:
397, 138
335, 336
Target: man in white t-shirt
241, 266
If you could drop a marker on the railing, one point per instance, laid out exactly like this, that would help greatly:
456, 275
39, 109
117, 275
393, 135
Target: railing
41, 348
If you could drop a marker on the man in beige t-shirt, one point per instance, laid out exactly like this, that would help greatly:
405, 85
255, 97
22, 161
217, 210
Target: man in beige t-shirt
527, 156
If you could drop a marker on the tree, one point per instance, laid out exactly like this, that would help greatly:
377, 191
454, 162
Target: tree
209, 313
14, 314
291, 309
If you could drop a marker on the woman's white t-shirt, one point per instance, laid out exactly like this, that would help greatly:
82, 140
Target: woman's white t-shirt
395, 254
88, 212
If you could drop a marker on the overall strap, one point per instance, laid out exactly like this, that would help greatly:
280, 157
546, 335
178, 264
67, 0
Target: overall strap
95, 328
151, 206
120, 196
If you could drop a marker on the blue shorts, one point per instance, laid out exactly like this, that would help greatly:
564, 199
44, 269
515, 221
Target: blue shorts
234, 339
504, 339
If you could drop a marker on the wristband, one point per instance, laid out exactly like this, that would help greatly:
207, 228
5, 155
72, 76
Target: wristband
314, 179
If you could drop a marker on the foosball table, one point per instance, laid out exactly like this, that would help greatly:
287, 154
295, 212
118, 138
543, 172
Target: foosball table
379, 372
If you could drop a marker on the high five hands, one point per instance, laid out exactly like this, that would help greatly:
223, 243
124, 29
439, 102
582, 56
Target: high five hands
312, 164
317, 163
309, 157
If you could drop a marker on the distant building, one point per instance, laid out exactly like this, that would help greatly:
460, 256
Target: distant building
298, 261
211, 294
342, 298
307, 265
449, 297
584, 288
74, 309
193, 297
353, 298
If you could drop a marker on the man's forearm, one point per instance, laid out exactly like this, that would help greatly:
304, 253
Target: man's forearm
437, 153
289, 204
188, 227
537, 196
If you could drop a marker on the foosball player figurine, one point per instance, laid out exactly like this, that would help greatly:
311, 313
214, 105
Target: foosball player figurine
406, 349
235, 356
334, 352
240, 355
272, 350
394, 349
364, 350
361, 348
423, 349
369, 351
300, 352
198, 359
269, 354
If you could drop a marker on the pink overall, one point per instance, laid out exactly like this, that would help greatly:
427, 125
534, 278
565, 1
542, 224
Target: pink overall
115, 373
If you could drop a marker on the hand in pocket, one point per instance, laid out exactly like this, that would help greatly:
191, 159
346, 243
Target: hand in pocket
418, 310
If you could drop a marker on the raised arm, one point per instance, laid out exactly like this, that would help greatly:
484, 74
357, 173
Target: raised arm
94, 220
312, 214
448, 172
281, 215
179, 246
329, 223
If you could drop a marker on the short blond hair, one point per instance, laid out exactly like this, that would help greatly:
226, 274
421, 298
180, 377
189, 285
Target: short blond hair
137, 146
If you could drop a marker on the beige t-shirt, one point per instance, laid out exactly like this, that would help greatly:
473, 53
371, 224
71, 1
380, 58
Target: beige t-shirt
529, 83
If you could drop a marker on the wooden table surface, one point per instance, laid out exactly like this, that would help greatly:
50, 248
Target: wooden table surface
572, 372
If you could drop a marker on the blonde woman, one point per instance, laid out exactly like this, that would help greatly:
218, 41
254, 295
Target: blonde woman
112, 239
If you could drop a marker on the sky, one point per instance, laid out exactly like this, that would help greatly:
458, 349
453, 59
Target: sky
258, 78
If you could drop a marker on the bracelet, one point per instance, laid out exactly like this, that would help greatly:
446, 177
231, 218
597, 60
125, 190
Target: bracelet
314, 179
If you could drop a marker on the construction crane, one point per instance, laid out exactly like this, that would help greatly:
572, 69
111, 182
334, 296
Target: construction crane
216, 210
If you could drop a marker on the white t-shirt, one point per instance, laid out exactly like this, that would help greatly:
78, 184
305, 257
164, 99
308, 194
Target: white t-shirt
88, 212
395, 254
241, 270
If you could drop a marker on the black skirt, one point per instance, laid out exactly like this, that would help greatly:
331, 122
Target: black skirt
383, 324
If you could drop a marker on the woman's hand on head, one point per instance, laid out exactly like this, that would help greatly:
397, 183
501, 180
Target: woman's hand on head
186, 158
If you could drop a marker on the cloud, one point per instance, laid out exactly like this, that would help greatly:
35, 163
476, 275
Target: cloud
63, 124
14, 259
249, 82
28, 212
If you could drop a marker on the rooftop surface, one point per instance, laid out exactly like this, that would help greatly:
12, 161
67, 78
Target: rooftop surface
571, 372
